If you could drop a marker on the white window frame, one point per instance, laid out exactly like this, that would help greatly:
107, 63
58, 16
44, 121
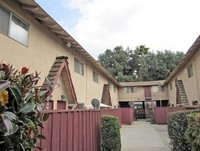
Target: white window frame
190, 71
95, 76
78, 67
155, 88
16, 36
130, 89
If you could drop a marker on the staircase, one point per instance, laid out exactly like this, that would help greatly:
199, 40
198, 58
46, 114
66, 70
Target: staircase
181, 92
106, 99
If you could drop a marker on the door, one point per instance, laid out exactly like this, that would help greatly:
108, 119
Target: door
147, 92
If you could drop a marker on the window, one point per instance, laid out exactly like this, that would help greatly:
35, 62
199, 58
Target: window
190, 71
78, 67
95, 77
155, 88
12, 26
130, 89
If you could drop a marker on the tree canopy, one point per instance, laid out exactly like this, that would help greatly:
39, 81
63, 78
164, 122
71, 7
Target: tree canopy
140, 64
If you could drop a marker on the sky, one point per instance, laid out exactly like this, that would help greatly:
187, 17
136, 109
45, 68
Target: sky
99, 25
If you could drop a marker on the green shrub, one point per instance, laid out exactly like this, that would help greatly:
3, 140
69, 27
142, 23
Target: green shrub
21, 109
177, 126
110, 133
192, 134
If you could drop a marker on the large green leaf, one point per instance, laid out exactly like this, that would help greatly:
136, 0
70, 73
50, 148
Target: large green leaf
29, 107
9, 115
28, 96
38, 106
42, 93
28, 122
16, 93
4, 84
7, 123
22, 146
11, 129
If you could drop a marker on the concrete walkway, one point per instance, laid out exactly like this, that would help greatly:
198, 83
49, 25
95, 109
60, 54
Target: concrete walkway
144, 136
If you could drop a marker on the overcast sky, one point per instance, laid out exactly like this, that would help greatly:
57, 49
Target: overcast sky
103, 24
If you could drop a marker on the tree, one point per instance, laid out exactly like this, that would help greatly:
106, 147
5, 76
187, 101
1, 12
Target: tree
139, 64
116, 62
162, 63
142, 55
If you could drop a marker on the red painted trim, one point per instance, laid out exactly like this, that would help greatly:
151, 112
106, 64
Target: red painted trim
64, 66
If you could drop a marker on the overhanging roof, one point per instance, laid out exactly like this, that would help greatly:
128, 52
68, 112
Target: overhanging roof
190, 53
45, 20
142, 83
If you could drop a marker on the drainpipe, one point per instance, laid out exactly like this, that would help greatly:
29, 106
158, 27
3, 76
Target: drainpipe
86, 89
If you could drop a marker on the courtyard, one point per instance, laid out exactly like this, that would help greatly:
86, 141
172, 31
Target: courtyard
144, 136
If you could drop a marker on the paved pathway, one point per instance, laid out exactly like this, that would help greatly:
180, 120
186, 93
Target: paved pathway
144, 136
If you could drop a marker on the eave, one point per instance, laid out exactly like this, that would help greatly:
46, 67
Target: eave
47, 21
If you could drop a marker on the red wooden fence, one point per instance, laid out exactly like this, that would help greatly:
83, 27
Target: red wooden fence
160, 113
75, 130
127, 115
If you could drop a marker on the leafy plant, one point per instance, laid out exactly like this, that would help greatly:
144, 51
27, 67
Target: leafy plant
110, 133
192, 133
21, 106
177, 126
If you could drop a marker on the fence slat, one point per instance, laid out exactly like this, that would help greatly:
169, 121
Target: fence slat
70, 132
63, 132
56, 132
75, 130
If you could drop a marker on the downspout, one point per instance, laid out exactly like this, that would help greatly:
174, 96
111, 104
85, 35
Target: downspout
86, 76
196, 79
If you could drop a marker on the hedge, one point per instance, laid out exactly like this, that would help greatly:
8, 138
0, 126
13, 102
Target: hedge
192, 134
110, 133
177, 126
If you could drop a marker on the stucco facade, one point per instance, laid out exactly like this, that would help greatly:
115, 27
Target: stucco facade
143, 91
46, 40
44, 45
188, 72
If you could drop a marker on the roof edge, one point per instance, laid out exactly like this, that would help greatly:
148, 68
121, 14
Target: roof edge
190, 53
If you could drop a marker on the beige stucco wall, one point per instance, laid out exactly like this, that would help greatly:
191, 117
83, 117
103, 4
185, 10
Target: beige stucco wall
39, 55
137, 96
114, 95
191, 84
160, 95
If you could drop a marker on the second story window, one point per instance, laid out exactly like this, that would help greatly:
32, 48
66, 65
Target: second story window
95, 77
190, 71
78, 67
155, 88
130, 89
13, 26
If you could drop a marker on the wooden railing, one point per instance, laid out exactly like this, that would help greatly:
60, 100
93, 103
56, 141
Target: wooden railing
76, 130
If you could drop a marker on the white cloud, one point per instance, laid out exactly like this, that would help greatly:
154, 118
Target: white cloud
159, 24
